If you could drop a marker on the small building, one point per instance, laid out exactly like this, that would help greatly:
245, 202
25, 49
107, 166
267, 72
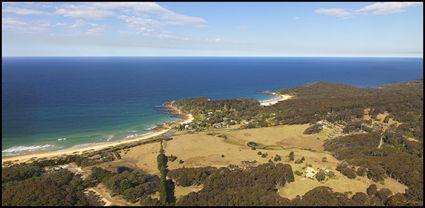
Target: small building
310, 172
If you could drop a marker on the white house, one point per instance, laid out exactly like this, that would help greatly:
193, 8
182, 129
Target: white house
310, 172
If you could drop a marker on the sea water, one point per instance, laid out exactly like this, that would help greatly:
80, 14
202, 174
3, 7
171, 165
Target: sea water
51, 103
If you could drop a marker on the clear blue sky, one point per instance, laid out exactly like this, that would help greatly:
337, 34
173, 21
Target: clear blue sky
212, 29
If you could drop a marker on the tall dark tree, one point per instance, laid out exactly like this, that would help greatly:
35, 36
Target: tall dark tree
166, 188
291, 156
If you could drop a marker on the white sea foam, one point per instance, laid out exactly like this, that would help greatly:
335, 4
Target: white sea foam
270, 100
17, 149
152, 127
109, 138
62, 139
131, 136
137, 135
78, 146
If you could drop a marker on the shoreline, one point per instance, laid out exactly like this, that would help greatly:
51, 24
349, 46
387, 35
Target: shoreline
280, 97
159, 129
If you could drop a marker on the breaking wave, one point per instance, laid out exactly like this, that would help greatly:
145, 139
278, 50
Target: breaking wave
17, 149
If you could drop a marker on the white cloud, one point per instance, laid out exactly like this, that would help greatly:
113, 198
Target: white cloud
9, 21
213, 40
151, 8
334, 12
83, 12
139, 18
143, 24
381, 8
23, 11
140, 10
82, 23
388, 7
15, 25
95, 30
92, 31
60, 24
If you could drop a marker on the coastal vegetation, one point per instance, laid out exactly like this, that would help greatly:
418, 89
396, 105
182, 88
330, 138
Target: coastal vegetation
134, 185
254, 186
336, 103
381, 147
258, 186
337, 138
30, 187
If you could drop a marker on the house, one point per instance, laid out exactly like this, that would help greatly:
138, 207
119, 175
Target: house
310, 172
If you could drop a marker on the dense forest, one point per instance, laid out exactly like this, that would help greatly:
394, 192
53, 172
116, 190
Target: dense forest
24, 185
255, 186
134, 185
311, 103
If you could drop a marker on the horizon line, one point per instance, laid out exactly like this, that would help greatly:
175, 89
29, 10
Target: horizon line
223, 56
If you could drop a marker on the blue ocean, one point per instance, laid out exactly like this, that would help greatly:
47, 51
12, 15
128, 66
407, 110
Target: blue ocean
54, 103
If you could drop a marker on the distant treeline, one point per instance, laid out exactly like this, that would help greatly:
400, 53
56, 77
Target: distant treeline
312, 103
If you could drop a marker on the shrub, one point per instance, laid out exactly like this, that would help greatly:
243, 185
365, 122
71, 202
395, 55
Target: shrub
361, 171
371, 190
291, 156
347, 171
331, 174
277, 158
360, 198
376, 173
384, 194
299, 161
172, 158
396, 200
316, 128
320, 176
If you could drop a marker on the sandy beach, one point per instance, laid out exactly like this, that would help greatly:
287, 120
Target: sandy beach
186, 118
274, 101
